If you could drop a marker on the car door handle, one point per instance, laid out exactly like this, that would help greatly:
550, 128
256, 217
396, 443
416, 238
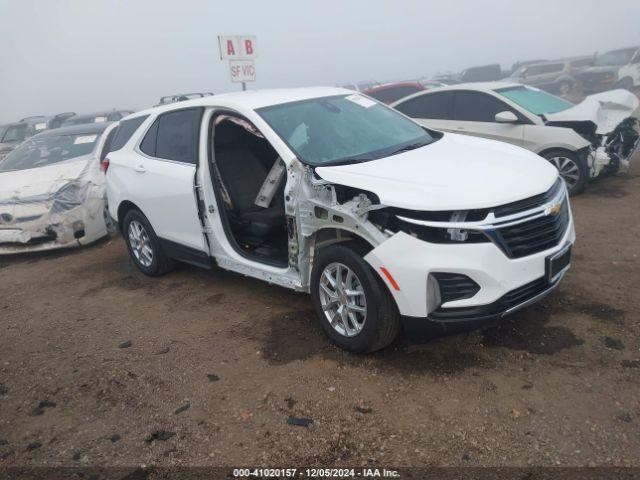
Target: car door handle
140, 169
460, 128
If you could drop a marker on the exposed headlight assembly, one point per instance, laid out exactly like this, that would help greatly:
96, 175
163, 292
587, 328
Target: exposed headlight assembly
69, 196
394, 220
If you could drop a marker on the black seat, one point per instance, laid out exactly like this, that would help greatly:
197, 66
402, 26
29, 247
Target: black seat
243, 174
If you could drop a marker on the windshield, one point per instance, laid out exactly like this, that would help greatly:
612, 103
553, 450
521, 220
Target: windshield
617, 57
343, 129
534, 100
16, 133
47, 150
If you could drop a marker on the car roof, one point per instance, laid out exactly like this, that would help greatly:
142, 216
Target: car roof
475, 86
251, 99
385, 86
479, 86
84, 129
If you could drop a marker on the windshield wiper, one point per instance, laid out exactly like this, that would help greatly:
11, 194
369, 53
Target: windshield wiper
411, 146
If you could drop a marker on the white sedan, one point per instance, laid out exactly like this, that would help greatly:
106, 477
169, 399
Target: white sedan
582, 141
52, 190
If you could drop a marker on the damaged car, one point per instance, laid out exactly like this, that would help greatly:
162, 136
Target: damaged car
582, 141
13, 134
326, 191
52, 191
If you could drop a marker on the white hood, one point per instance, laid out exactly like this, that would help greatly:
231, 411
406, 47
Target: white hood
21, 184
456, 172
606, 110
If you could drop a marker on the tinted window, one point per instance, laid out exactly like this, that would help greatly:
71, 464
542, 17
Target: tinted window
432, 105
389, 95
174, 136
108, 142
536, 101
476, 107
148, 144
124, 131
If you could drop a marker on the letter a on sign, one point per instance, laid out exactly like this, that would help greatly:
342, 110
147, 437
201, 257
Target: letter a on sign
231, 51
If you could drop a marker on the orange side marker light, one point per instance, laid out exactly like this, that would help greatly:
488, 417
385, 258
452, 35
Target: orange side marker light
392, 281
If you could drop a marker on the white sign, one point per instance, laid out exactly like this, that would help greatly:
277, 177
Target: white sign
238, 47
242, 71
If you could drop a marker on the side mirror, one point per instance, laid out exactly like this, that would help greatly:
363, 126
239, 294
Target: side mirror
506, 117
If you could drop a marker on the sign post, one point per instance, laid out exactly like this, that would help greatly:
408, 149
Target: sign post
240, 51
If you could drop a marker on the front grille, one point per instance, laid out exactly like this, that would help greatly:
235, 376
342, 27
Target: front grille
455, 286
512, 299
529, 203
532, 236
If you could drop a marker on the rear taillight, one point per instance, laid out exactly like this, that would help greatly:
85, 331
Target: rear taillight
104, 164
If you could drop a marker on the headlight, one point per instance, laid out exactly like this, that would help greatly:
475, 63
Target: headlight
69, 196
391, 220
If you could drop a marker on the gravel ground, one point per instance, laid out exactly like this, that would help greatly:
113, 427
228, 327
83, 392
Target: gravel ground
100, 365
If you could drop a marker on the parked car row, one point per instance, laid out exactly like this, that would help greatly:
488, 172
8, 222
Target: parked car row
589, 74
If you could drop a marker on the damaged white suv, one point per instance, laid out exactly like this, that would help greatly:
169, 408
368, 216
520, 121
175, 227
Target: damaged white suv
328, 192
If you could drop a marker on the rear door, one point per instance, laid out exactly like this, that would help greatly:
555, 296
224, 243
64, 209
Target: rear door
432, 110
473, 113
166, 170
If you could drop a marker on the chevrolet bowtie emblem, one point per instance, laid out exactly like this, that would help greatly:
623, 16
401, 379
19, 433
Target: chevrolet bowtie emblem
553, 209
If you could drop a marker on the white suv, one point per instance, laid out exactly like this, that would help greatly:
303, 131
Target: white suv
325, 191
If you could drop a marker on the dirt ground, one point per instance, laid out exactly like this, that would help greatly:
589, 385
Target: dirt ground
100, 365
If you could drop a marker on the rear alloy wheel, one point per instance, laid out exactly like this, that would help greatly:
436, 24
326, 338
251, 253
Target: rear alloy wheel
143, 245
571, 167
140, 244
353, 305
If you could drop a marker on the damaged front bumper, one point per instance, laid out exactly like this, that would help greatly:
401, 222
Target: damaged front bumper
71, 216
615, 150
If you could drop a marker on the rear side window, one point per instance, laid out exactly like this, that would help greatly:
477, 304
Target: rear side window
432, 105
174, 136
124, 131
477, 107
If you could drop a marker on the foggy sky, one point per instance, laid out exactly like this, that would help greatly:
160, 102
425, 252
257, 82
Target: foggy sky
89, 55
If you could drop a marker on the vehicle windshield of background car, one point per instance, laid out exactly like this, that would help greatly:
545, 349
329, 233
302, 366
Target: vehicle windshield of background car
16, 133
343, 129
618, 57
47, 150
535, 100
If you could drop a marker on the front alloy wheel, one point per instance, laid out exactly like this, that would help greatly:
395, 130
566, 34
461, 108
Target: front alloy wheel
353, 305
140, 243
343, 299
572, 168
568, 169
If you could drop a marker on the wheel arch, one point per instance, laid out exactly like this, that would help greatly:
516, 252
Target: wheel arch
125, 207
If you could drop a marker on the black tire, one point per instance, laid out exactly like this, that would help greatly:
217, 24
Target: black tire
160, 263
382, 323
578, 161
